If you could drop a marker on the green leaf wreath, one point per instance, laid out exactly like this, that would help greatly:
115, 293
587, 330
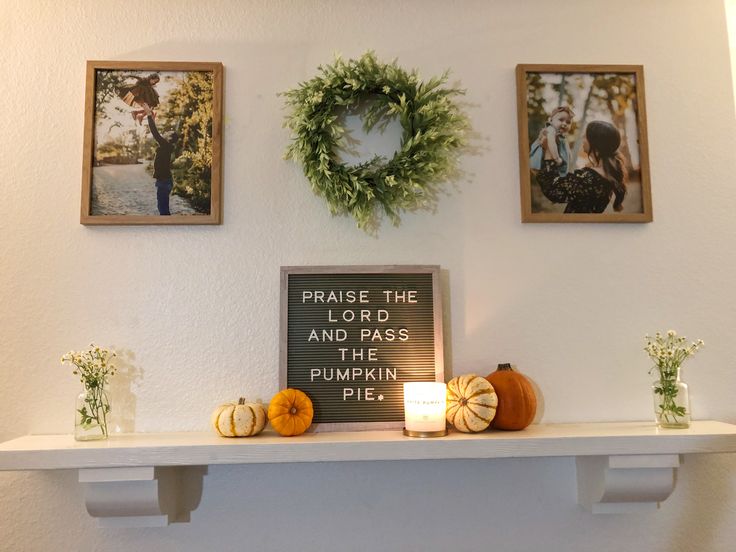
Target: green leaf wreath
434, 130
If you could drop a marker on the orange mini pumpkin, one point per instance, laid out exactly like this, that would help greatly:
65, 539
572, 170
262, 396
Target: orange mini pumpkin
517, 403
290, 412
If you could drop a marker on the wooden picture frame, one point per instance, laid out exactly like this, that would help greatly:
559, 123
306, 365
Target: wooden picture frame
570, 103
319, 340
133, 175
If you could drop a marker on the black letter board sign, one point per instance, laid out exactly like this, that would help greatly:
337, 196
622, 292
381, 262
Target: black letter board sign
352, 335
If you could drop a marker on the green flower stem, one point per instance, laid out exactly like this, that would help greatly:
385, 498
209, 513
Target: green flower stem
668, 407
96, 409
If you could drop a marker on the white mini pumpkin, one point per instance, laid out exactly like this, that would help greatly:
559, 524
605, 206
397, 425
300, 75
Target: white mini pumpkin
471, 403
239, 419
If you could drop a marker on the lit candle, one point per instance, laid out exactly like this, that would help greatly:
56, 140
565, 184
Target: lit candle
424, 409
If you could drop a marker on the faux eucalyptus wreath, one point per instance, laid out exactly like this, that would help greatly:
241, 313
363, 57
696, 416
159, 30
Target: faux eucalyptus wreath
433, 133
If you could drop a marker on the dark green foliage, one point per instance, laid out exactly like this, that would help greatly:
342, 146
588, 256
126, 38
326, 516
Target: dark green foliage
433, 134
189, 113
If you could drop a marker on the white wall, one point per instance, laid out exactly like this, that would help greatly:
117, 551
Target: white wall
198, 307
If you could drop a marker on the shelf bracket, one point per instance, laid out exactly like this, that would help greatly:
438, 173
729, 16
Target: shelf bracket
145, 496
625, 483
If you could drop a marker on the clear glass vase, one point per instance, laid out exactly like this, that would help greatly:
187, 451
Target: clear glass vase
93, 408
671, 400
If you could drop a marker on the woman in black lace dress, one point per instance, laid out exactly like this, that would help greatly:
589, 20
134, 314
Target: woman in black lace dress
590, 189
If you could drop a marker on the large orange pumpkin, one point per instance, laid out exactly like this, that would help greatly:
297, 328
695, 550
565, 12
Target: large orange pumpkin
517, 403
290, 412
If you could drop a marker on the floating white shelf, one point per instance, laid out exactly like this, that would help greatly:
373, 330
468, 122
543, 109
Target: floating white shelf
153, 478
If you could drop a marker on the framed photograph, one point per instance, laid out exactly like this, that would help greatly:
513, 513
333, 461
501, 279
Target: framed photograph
152, 143
352, 335
583, 151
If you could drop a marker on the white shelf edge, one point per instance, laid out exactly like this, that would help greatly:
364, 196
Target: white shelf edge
48, 452
156, 478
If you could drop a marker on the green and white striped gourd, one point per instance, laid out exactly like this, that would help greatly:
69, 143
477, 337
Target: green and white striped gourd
471, 403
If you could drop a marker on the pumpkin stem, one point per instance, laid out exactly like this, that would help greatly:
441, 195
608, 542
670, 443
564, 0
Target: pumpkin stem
241, 400
292, 410
505, 366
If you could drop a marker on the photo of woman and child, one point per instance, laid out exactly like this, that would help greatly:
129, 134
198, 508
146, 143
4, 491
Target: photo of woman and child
585, 157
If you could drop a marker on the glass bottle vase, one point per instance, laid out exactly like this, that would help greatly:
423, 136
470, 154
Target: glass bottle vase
671, 400
93, 408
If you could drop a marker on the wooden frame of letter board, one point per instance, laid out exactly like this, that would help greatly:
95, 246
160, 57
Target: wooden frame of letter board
434, 270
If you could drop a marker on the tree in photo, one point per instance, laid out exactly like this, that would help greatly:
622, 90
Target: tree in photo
189, 111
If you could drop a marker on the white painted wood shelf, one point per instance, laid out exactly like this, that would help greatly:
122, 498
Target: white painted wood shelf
150, 478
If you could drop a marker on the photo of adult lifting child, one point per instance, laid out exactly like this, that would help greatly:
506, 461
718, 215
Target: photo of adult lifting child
152, 143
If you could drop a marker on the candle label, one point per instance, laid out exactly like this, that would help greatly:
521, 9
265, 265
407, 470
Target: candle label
423, 403
351, 339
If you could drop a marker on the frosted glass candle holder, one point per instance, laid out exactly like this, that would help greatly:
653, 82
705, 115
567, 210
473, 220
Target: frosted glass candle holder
425, 403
